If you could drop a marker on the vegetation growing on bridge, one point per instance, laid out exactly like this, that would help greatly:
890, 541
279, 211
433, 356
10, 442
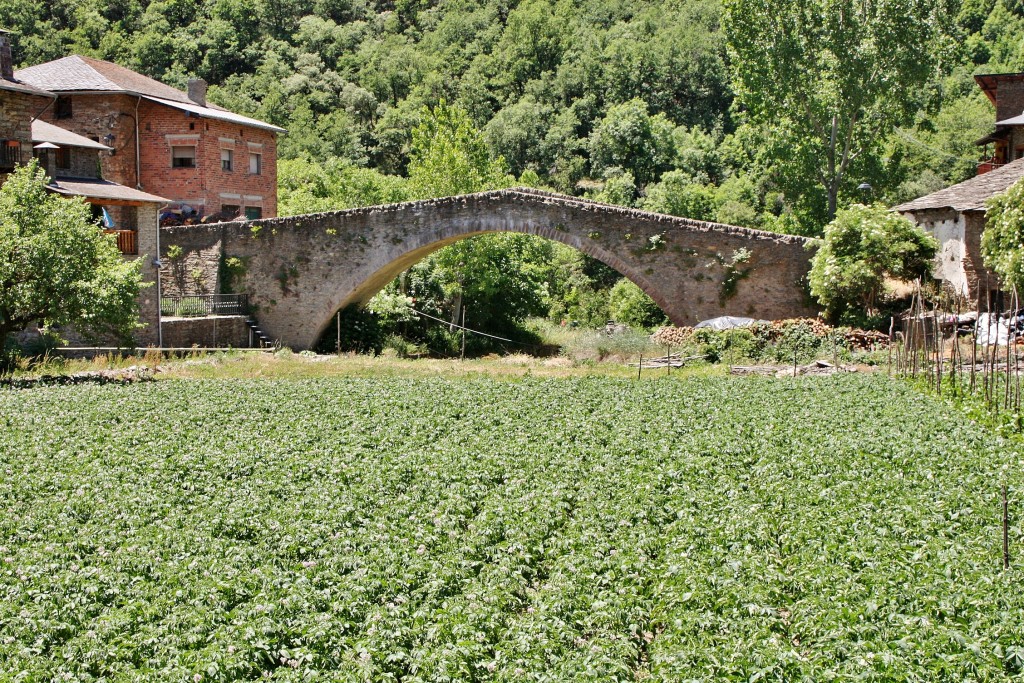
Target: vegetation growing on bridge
503, 531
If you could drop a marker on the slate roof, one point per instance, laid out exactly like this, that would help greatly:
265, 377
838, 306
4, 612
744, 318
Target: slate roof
218, 113
85, 74
16, 85
969, 195
47, 132
103, 189
78, 74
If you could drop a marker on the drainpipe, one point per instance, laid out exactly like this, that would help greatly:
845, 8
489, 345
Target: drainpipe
138, 163
48, 103
159, 290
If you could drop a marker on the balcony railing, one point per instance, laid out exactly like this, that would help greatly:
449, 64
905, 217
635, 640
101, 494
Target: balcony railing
127, 241
200, 305
987, 165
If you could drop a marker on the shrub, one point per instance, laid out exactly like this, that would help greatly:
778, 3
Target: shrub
862, 247
630, 305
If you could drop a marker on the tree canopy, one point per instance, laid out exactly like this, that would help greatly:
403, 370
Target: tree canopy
1002, 242
57, 267
579, 94
829, 80
862, 247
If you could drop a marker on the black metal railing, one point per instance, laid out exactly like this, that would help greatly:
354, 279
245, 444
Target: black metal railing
200, 305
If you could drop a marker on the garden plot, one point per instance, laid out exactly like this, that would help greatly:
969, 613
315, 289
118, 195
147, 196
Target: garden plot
595, 529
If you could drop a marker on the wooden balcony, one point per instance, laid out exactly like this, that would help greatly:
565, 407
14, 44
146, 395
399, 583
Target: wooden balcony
127, 241
988, 165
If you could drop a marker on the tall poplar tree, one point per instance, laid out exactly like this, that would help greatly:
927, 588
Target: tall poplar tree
828, 80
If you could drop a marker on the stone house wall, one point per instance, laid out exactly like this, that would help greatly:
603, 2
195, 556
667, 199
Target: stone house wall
84, 163
95, 117
959, 263
215, 331
17, 110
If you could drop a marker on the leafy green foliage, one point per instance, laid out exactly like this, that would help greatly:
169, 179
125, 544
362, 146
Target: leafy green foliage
306, 186
430, 530
628, 138
585, 91
863, 246
56, 265
449, 156
1002, 242
629, 304
830, 79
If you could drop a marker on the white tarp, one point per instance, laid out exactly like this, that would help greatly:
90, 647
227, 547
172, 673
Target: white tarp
726, 322
992, 329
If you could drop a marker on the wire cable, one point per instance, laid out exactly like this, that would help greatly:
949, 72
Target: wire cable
910, 138
482, 334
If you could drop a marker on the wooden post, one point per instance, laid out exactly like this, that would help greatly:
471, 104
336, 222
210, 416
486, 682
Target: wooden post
668, 363
640, 366
462, 352
1006, 532
892, 326
338, 325
974, 341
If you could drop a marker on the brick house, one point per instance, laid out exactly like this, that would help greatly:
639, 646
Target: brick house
73, 164
1006, 142
19, 104
208, 161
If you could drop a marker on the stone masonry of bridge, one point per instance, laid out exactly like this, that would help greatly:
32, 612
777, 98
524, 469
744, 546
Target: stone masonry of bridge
298, 271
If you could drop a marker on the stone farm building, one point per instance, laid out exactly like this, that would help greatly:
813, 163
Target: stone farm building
208, 161
956, 214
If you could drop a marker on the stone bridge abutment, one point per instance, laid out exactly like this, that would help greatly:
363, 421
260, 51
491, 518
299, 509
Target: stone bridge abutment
298, 271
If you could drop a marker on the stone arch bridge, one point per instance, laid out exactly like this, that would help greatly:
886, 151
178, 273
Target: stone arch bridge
298, 271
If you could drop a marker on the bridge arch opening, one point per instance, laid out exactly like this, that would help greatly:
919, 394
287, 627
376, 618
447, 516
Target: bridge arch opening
404, 260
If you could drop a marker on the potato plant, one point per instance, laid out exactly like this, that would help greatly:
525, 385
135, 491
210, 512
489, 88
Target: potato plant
594, 529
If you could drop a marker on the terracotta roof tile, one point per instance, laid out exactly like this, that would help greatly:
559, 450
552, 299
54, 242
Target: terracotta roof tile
969, 195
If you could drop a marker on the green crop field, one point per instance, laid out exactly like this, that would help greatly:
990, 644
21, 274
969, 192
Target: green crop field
594, 529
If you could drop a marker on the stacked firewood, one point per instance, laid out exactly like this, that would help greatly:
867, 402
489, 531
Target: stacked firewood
865, 339
671, 336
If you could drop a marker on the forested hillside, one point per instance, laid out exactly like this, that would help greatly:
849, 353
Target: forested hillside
632, 96
688, 107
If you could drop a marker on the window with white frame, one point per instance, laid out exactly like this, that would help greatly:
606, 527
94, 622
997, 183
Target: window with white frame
227, 159
255, 163
183, 156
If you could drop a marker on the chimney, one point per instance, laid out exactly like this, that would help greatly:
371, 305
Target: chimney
6, 60
197, 91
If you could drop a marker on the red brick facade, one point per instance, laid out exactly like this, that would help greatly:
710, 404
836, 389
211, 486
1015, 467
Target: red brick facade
206, 186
